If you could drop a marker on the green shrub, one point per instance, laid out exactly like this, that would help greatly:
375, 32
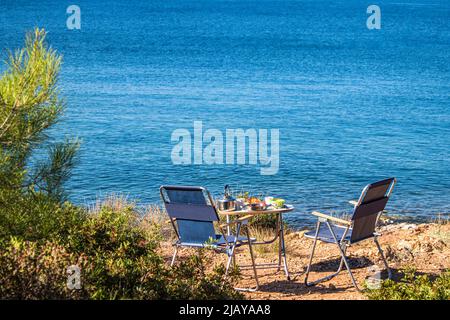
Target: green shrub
32, 271
414, 287
38, 217
264, 221
29, 106
122, 255
118, 257
127, 264
190, 280
41, 235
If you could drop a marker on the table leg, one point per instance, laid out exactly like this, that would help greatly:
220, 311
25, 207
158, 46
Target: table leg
283, 248
280, 245
228, 227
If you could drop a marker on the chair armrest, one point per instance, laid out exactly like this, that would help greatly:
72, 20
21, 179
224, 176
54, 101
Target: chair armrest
241, 219
328, 217
353, 202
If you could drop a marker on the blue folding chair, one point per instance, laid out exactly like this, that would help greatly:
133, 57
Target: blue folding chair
343, 233
192, 213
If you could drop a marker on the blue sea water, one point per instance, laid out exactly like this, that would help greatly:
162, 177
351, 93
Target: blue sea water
353, 105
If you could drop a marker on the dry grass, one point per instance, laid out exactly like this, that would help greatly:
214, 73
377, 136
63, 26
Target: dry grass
264, 235
151, 216
154, 215
115, 201
442, 221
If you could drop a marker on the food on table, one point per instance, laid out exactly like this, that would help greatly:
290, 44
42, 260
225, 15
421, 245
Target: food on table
278, 202
268, 200
256, 203
258, 206
253, 200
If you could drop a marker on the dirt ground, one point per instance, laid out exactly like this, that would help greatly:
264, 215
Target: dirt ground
423, 246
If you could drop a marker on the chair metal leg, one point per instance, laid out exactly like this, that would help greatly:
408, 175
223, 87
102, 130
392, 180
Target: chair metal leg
342, 249
230, 251
383, 257
347, 265
308, 269
174, 256
326, 278
232, 257
341, 263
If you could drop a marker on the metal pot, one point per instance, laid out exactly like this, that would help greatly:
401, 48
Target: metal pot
228, 203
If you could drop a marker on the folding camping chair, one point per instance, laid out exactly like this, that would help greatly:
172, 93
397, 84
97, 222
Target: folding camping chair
192, 213
343, 233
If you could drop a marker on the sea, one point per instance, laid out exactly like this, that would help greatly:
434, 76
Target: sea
352, 104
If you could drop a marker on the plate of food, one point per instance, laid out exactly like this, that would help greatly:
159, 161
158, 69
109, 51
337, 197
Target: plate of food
278, 203
256, 204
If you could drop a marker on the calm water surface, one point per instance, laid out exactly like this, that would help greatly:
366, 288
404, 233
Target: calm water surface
353, 105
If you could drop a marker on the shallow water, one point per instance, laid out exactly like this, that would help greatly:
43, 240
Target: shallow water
353, 105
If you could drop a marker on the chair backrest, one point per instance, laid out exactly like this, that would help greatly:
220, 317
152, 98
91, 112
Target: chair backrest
194, 211
371, 203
